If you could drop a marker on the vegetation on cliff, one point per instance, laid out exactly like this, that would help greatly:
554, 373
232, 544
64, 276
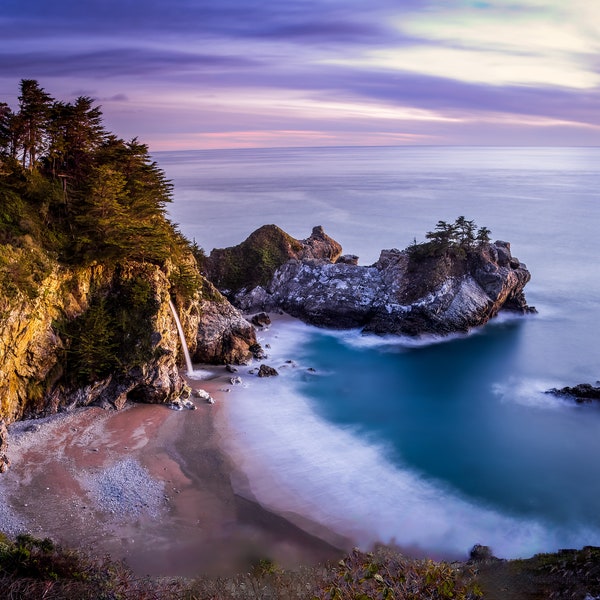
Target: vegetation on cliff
75, 190
458, 239
252, 262
86, 252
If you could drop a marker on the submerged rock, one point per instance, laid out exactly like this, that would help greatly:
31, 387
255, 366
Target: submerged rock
404, 292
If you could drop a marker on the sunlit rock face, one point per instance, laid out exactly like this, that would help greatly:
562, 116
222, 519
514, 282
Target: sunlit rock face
402, 293
101, 335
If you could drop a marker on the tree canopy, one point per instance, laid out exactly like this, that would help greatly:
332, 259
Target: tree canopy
459, 237
88, 194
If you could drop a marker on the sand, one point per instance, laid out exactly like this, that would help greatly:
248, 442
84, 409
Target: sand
149, 485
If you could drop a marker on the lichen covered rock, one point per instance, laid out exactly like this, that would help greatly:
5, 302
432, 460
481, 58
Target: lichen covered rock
402, 293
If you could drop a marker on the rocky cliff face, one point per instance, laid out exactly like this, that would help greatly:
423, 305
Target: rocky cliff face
401, 293
107, 335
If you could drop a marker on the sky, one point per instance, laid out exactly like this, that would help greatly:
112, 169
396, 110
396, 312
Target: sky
202, 74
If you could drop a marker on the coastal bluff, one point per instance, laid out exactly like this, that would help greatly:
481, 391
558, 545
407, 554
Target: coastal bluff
419, 290
105, 335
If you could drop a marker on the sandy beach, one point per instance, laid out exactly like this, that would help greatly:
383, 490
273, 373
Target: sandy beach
149, 485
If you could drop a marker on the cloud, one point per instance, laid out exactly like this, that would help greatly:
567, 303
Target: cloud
116, 62
411, 70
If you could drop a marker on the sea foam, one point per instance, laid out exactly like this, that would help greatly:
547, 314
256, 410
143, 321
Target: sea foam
296, 462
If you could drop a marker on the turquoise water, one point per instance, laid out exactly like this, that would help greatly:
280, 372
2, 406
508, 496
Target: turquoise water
437, 444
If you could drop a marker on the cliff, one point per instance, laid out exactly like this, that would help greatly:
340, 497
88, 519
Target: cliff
107, 335
421, 290
89, 263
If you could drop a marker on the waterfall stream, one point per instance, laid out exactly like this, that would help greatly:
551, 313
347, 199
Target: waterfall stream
186, 352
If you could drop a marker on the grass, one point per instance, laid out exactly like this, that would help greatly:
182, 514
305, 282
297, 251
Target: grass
32, 568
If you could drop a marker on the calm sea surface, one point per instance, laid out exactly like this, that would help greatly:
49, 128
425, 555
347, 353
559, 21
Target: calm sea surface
430, 443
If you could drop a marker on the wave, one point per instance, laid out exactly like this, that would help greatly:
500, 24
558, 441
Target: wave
298, 463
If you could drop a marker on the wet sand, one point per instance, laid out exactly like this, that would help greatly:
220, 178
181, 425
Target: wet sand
152, 486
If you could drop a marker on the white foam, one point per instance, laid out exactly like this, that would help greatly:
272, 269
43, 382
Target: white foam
531, 392
199, 374
299, 463
355, 338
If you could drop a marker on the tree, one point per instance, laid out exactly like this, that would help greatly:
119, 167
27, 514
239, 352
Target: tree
93, 349
443, 237
75, 132
101, 218
5, 135
465, 231
34, 112
483, 235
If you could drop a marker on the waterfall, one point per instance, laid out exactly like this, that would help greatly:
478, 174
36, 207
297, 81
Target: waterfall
186, 352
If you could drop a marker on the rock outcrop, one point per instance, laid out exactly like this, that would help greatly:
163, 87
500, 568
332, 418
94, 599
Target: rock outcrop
581, 393
255, 260
223, 335
402, 293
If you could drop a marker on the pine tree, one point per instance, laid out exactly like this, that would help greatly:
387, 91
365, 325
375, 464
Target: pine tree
32, 122
5, 134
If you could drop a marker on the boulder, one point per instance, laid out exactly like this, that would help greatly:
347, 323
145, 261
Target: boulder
261, 319
204, 395
223, 335
267, 371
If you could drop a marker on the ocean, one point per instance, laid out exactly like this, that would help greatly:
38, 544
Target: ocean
433, 444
